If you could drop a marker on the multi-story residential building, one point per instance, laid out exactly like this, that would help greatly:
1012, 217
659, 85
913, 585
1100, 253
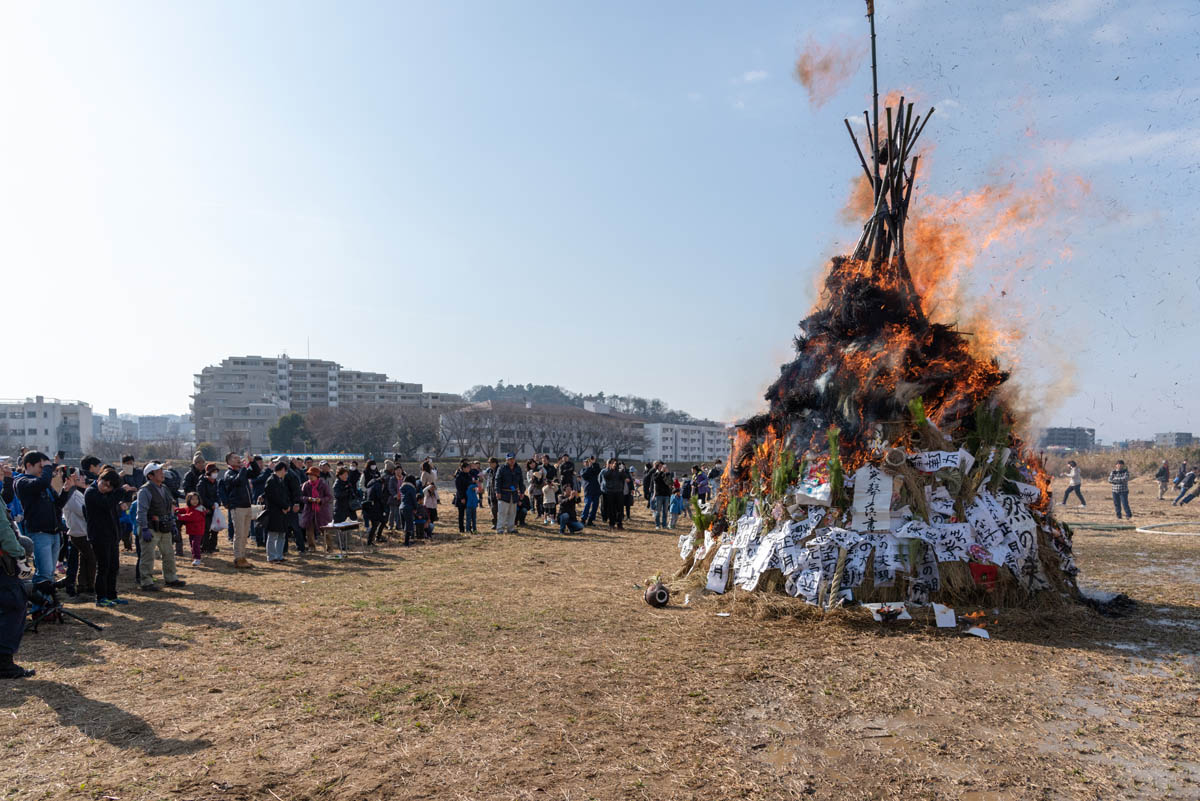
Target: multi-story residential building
1077, 439
241, 398
1174, 439
687, 442
47, 425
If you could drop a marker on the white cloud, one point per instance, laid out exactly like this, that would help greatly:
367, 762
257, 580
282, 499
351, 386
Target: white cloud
754, 76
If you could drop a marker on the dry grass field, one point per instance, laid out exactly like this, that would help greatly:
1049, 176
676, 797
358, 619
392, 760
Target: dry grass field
528, 667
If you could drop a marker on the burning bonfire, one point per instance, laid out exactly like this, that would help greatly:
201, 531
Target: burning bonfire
887, 467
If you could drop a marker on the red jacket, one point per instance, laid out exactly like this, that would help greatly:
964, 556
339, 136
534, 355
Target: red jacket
192, 520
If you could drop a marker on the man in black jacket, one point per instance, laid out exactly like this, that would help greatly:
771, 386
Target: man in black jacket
462, 480
663, 488
235, 485
612, 481
194, 475
566, 471
132, 473
12, 598
293, 481
510, 485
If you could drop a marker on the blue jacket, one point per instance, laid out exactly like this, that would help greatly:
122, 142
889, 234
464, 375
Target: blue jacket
258, 484
472, 496
591, 479
236, 486
38, 502
408, 496
676, 504
510, 483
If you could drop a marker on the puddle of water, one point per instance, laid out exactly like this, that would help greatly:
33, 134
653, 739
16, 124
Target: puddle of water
1194, 625
1125, 646
778, 755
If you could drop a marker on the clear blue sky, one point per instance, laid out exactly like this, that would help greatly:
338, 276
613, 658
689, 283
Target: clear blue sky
630, 197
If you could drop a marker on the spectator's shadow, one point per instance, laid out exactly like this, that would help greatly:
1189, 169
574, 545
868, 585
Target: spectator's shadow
98, 720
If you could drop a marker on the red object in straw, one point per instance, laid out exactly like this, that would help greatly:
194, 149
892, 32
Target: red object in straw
985, 576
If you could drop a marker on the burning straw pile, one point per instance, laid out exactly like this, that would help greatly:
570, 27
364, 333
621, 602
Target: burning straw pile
886, 468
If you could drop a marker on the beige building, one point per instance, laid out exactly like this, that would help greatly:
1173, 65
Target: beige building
236, 402
47, 425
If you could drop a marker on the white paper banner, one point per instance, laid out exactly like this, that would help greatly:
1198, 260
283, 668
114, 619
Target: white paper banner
748, 528
872, 499
687, 542
940, 501
933, 461
803, 584
1028, 492
718, 572
885, 558
917, 529
745, 571
856, 564
953, 542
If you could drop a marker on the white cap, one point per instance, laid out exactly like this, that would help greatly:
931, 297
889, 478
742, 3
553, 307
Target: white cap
151, 467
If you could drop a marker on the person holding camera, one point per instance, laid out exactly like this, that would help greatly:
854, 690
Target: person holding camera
13, 599
41, 507
156, 519
235, 485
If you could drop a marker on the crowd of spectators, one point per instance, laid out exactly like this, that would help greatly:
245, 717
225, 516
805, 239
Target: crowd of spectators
75, 521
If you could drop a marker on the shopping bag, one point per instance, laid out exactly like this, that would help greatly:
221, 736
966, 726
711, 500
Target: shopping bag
219, 521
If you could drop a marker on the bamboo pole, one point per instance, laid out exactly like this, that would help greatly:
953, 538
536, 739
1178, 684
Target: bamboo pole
874, 86
857, 149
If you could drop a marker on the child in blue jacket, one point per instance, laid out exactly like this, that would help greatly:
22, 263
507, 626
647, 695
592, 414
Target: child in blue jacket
676, 507
472, 506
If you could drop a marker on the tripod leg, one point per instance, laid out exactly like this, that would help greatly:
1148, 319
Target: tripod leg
32, 625
84, 621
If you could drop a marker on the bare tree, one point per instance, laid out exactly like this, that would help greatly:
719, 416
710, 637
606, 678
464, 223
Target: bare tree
366, 428
455, 427
485, 432
417, 428
560, 434
586, 436
628, 437
323, 423
110, 451
541, 429
236, 440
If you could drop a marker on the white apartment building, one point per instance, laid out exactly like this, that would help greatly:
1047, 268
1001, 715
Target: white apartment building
47, 425
242, 397
687, 442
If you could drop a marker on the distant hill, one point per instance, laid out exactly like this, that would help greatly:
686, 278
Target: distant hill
652, 410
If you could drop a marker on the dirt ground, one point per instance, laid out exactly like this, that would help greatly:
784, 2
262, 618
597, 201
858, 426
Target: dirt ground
528, 667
